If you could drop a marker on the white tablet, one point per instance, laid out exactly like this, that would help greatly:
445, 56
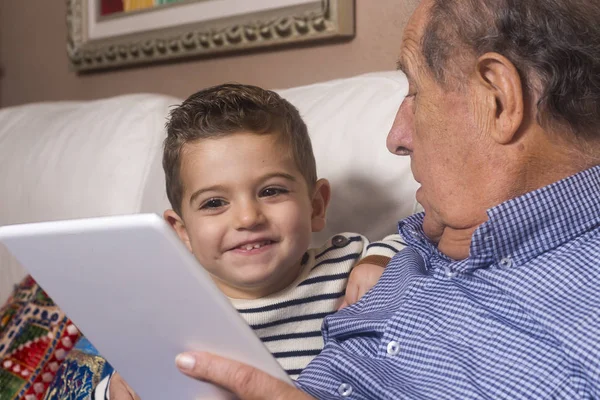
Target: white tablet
138, 294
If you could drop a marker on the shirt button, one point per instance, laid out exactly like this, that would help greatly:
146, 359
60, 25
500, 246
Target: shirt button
506, 262
340, 241
345, 390
393, 348
451, 274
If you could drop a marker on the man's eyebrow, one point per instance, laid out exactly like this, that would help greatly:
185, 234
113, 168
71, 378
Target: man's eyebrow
400, 65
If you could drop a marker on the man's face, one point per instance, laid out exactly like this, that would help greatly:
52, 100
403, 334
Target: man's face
448, 147
247, 213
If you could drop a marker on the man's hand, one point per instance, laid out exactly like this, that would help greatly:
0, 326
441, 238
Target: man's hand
362, 278
246, 382
120, 390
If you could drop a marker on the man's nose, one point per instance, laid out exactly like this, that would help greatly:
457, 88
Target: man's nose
400, 138
248, 215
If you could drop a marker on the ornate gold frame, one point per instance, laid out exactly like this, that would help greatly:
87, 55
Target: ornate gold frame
320, 20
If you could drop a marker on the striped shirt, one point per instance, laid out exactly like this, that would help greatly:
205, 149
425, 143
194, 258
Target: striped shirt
518, 319
289, 322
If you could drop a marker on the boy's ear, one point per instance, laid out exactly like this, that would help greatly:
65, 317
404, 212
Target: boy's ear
177, 224
320, 201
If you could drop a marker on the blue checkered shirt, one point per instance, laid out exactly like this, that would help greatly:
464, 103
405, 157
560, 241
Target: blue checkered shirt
518, 319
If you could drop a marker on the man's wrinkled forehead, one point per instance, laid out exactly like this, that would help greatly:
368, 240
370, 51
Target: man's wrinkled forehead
410, 52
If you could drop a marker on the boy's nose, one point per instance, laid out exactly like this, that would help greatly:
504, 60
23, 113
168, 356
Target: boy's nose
248, 216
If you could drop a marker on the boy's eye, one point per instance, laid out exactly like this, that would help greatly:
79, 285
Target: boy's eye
212, 203
272, 191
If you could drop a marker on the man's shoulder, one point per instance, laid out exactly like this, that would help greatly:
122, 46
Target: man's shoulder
582, 250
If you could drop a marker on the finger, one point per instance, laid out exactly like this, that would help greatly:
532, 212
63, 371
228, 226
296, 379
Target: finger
351, 293
120, 390
344, 304
246, 382
362, 290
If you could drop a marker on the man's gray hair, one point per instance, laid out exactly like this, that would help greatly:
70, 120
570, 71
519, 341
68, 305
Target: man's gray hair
554, 44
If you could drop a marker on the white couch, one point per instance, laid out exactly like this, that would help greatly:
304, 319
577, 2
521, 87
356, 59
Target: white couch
63, 160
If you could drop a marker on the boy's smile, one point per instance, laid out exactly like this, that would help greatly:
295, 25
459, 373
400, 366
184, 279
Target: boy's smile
248, 246
247, 214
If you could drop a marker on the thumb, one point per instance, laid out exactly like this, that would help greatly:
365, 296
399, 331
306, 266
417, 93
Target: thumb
351, 296
342, 305
246, 382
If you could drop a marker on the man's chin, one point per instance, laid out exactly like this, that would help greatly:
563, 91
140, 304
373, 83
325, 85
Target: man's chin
433, 229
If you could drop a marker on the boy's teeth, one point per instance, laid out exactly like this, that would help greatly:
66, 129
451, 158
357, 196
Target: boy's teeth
254, 246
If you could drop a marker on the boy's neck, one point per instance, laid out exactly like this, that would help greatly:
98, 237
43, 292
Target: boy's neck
253, 293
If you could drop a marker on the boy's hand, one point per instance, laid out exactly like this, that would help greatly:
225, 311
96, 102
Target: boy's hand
362, 278
120, 390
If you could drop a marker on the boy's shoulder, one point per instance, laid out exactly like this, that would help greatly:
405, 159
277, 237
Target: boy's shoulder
349, 244
345, 242
338, 254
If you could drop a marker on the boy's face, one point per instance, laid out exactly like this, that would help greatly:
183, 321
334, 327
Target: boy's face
247, 214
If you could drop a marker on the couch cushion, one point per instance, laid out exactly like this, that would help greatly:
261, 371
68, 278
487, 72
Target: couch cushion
65, 160
78, 159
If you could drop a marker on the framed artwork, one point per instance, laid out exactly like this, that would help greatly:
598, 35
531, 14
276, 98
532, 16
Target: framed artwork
114, 33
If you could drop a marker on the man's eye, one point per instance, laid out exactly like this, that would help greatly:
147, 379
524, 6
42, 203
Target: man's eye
272, 191
212, 203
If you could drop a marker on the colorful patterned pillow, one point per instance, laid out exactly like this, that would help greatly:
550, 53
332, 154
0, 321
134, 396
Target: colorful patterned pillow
35, 338
79, 375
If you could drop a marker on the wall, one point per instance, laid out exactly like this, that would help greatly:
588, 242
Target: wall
34, 61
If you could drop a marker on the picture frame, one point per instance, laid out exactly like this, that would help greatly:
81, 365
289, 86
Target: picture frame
197, 28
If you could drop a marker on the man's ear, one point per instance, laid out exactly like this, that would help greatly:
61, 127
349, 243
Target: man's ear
320, 201
177, 224
502, 95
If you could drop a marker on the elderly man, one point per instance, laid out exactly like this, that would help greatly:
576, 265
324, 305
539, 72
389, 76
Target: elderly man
498, 293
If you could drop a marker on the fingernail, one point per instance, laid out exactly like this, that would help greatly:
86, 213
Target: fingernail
185, 361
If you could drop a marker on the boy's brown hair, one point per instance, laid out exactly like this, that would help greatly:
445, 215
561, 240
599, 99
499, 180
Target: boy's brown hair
227, 109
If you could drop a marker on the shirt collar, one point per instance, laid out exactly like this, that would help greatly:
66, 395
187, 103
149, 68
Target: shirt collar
525, 227
532, 224
411, 230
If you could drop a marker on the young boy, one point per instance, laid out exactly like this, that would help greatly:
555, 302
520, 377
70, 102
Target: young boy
242, 182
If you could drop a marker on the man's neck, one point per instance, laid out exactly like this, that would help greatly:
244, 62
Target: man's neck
542, 167
456, 243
